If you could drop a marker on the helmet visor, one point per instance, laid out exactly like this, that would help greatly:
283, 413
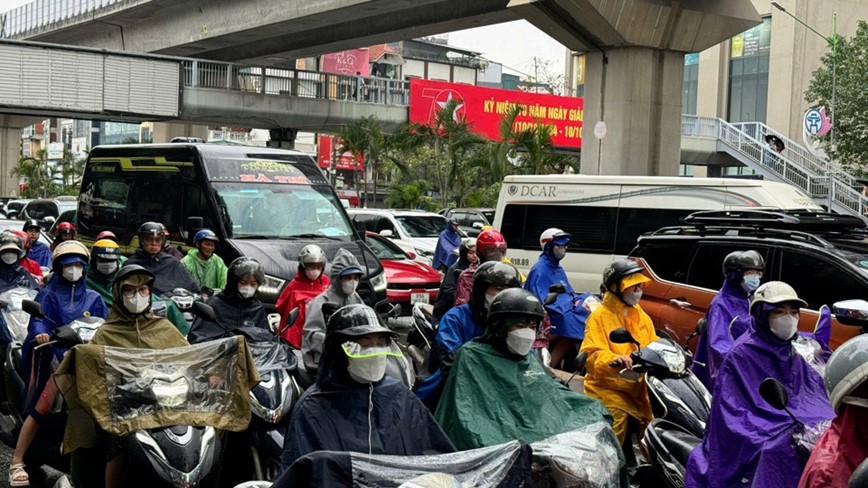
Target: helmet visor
356, 351
633, 280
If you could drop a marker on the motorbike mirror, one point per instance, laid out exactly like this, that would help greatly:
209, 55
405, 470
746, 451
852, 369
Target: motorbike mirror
622, 336
557, 288
191, 227
774, 394
292, 316
851, 312
328, 309
550, 298
33, 308
859, 479
701, 326
395, 311
581, 359
204, 311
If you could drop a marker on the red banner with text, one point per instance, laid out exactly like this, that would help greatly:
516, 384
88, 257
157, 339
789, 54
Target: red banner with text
327, 150
484, 107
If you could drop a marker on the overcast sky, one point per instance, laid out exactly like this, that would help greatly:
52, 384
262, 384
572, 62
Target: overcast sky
514, 44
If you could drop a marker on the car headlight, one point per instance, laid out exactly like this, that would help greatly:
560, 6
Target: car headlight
378, 282
271, 285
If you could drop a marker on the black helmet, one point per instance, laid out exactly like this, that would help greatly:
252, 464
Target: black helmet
515, 301
241, 267
618, 270
492, 273
31, 224
150, 229
742, 260
847, 369
354, 321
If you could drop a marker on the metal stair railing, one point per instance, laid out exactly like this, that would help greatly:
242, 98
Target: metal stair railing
796, 168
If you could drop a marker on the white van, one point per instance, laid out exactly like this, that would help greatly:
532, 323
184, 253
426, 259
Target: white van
606, 214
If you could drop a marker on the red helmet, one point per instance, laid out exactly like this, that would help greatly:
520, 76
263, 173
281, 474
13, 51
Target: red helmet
106, 234
66, 228
490, 242
24, 237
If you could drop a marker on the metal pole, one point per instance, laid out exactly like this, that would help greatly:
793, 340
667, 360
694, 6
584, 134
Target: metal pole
832, 116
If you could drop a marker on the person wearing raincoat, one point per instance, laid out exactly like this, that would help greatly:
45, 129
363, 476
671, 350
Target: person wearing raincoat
236, 305
747, 441
728, 314
569, 312
626, 399
64, 299
845, 445
130, 324
38, 251
498, 392
207, 268
309, 282
490, 246
150, 255
12, 275
105, 263
447, 243
353, 406
466, 258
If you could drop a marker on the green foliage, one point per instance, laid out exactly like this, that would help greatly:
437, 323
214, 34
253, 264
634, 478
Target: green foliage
411, 195
851, 99
44, 180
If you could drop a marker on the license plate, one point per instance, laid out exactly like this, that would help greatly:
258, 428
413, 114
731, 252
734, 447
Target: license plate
418, 298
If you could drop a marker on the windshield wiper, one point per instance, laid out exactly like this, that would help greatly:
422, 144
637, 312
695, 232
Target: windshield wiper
254, 237
311, 236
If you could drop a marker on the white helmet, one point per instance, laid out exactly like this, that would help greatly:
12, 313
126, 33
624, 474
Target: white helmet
550, 234
311, 254
775, 292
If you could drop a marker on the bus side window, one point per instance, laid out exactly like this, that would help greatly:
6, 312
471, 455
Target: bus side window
195, 204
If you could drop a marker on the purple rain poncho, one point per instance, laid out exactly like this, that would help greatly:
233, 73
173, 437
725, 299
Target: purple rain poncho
747, 441
731, 303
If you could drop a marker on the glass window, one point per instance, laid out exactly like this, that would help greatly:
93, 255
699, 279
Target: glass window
706, 269
818, 281
195, 205
422, 225
382, 224
668, 260
255, 210
595, 226
633, 222
748, 74
383, 249
489, 216
691, 78
103, 206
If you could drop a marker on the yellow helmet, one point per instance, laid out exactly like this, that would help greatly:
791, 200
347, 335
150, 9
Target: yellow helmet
106, 249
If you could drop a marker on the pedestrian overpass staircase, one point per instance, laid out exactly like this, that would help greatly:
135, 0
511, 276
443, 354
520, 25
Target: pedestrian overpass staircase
827, 183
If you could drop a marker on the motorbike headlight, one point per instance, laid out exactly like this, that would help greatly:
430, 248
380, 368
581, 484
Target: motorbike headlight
671, 355
271, 286
378, 282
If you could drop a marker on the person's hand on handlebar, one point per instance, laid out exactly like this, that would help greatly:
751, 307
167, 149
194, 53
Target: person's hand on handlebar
623, 362
42, 338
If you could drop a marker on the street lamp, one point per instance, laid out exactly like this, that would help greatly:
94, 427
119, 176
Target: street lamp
833, 41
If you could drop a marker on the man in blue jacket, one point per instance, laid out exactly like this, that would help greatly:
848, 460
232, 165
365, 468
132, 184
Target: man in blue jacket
39, 251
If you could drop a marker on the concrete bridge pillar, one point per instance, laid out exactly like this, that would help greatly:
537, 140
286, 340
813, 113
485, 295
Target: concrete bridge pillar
164, 131
282, 138
636, 92
10, 150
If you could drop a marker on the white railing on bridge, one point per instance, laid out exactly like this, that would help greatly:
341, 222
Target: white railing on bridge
796, 166
295, 83
43, 13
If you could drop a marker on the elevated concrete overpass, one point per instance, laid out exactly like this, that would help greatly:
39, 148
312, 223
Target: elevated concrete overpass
634, 65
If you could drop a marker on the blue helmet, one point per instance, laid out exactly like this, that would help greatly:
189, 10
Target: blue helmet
205, 234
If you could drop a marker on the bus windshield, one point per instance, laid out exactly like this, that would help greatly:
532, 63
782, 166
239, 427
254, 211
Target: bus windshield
286, 211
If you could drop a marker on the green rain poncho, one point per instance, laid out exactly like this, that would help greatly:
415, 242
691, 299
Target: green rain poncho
210, 273
493, 396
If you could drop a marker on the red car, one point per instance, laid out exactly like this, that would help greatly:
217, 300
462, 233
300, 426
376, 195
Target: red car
408, 281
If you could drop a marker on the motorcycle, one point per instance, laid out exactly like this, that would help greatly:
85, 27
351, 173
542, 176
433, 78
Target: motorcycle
271, 400
680, 402
45, 449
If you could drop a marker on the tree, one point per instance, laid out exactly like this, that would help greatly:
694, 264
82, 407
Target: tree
365, 138
37, 174
851, 100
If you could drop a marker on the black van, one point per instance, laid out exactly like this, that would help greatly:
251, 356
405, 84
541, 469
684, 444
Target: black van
262, 203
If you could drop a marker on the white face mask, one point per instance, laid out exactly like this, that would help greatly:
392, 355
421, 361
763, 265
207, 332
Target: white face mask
488, 300
520, 341
632, 298
784, 327
107, 267
72, 272
348, 287
367, 370
9, 257
559, 253
137, 303
312, 274
246, 291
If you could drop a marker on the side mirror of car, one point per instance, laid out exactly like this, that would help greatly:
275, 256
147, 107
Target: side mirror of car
12, 214
478, 225
49, 221
204, 311
33, 308
192, 226
851, 312
622, 336
386, 233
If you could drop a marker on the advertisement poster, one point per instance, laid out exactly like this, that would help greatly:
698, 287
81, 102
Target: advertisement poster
483, 108
327, 149
347, 62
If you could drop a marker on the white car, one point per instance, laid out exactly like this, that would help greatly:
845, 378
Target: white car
415, 231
